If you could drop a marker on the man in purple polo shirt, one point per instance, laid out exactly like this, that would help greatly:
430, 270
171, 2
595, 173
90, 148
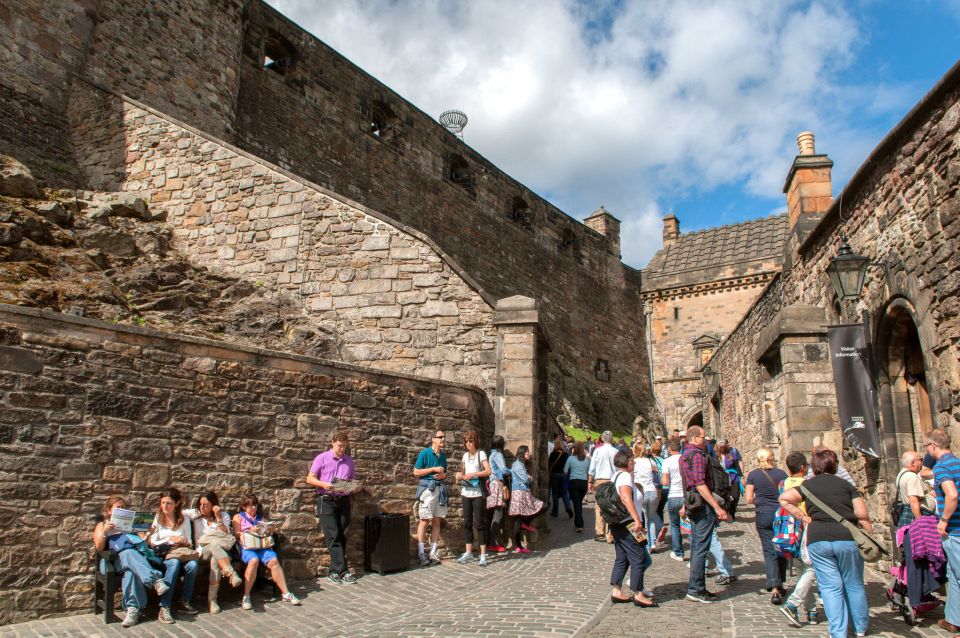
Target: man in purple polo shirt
333, 507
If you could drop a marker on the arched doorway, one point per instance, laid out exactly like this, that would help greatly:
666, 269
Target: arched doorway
695, 419
904, 381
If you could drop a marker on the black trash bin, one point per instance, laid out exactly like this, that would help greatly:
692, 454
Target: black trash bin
386, 539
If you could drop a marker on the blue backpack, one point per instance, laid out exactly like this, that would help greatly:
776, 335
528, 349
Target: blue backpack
787, 532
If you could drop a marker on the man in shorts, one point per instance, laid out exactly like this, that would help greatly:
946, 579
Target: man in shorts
431, 469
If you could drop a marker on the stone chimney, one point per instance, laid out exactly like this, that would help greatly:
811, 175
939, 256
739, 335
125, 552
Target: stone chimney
671, 229
607, 225
809, 194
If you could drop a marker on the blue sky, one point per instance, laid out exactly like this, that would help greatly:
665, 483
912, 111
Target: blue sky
650, 107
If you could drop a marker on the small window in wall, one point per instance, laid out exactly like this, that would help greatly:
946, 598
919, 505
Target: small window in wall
601, 370
520, 213
569, 243
676, 312
278, 54
772, 365
383, 121
461, 174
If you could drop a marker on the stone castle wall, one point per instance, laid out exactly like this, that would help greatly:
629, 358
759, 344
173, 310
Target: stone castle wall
202, 63
388, 297
91, 410
901, 209
319, 125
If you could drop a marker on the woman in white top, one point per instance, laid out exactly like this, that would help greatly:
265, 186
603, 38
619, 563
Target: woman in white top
213, 537
171, 530
646, 474
476, 469
629, 551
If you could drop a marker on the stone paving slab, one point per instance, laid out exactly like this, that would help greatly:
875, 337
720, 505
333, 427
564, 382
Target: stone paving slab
560, 591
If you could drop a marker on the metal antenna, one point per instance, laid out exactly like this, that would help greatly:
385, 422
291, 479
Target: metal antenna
454, 121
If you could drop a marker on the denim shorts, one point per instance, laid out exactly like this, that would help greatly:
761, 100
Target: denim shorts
263, 555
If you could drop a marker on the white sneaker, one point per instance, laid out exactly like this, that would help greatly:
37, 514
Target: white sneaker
465, 558
483, 560
289, 597
675, 557
423, 560
435, 557
133, 616
161, 587
247, 603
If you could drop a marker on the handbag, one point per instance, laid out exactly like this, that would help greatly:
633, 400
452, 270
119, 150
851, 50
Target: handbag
870, 549
218, 538
182, 554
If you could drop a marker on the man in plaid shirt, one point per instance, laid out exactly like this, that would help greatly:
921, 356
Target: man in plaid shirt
693, 469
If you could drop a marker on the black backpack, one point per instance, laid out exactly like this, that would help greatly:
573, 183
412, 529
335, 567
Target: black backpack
721, 480
612, 509
721, 485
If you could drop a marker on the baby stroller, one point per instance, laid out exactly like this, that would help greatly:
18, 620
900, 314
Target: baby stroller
911, 591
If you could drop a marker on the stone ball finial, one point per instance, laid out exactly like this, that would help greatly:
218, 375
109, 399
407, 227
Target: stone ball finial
805, 143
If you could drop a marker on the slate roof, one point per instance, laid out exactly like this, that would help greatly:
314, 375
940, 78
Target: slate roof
756, 239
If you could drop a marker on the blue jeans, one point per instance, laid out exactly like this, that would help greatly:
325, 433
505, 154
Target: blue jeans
650, 516
628, 553
774, 564
676, 536
702, 526
951, 547
839, 570
171, 568
558, 489
716, 549
138, 574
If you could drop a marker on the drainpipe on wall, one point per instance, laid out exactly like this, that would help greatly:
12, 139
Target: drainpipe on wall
648, 312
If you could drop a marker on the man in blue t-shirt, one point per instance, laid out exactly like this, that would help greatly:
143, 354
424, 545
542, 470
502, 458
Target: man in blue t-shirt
946, 477
431, 469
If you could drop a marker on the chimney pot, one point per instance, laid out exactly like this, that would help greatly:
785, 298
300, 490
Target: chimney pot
805, 143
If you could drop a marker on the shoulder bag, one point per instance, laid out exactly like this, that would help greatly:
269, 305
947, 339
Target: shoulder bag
693, 502
870, 549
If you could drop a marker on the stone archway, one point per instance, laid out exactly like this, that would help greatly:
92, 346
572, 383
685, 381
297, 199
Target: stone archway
694, 419
904, 380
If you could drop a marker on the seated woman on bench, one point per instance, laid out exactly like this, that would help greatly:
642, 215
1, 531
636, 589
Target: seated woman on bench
138, 574
247, 519
171, 536
214, 538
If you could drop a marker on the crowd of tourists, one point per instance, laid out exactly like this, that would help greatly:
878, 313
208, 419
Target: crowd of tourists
648, 497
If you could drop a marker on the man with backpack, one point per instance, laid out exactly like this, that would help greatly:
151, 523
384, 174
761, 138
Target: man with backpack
702, 509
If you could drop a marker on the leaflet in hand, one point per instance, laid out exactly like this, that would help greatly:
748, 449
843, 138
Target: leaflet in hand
263, 528
344, 486
130, 521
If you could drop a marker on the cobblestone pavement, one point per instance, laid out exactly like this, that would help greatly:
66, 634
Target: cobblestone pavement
562, 591
741, 612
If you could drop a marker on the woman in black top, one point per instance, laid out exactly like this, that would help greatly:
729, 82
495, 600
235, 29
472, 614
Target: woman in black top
763, 490
833, 552
555, 463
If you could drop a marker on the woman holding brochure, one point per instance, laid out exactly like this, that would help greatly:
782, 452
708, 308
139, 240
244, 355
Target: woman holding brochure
138, 574
629, 551
211, 531
250, 529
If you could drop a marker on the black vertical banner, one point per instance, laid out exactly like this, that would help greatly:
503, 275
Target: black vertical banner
851, 377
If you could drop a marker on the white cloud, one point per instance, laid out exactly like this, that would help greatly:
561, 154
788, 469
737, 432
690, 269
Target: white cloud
653, 98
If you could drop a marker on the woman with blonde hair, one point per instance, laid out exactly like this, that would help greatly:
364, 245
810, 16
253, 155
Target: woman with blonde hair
763, 491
